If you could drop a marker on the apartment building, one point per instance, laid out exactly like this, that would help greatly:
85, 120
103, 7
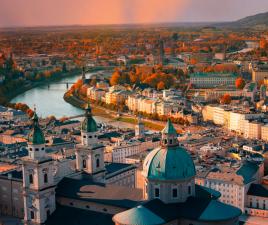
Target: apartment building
210, 80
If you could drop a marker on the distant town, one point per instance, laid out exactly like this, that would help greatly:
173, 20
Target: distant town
190, 144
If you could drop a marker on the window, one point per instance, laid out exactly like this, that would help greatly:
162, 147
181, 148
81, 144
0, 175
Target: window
45, 178
165, 141
32, 215
170, 141
97, 163
43, 149
174, 192
48, 213
31, 178
87, 206
189, 190
84, 163
37, 149
156, 192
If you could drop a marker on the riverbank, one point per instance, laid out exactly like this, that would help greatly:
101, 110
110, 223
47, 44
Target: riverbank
102, 112
33, 84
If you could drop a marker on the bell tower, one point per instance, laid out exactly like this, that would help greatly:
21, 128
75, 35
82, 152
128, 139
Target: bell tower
139, 128
38, 180
90, 153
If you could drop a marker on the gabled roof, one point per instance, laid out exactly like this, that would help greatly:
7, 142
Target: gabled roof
248, 171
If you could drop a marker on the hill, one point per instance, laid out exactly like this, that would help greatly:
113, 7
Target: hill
256, 21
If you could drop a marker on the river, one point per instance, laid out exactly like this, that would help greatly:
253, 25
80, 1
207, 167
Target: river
48, 100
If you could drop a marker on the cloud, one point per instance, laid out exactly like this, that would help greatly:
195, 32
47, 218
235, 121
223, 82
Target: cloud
62, 12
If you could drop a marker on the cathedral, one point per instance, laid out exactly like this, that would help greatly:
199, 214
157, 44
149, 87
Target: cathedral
169, 196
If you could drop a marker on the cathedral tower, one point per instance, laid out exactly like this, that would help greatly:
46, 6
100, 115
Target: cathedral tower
38, 180
90, 153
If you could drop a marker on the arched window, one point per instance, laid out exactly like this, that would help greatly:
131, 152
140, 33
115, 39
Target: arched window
84, 163
170, 141
45, 178
174, 192
97, 163
189, 190
156, 192
31, 178
32, 215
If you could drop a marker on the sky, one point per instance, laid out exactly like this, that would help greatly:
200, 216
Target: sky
86, 12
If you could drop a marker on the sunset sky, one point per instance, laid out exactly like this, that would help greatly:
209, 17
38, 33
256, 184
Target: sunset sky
70, 12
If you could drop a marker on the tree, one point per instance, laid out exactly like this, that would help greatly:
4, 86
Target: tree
240, 83
114, 80
161, 85
225, 99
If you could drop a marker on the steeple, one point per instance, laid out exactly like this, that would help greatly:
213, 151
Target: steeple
139, 128
90, 153
88, 124
169, 135
36, 136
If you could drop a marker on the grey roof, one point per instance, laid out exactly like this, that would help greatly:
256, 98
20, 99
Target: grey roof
258, 190
87, 190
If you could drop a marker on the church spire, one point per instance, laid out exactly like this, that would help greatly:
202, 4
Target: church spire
169, 135
36, 135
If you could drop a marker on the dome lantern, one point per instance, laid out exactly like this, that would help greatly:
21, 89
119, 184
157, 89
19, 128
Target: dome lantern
169, 135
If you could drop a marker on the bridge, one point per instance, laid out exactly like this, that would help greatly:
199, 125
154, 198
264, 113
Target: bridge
66, 83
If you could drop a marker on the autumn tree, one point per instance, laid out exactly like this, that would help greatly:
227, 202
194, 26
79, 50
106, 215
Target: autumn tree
161, 85
114, 80
240, 83
225, 99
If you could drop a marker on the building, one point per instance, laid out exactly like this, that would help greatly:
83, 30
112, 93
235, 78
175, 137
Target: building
212, 80
38, 182
253, 129
259, 73
234, 185
257, 201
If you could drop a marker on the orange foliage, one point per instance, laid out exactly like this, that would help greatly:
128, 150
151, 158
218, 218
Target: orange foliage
240, 83
225, 99
161, 85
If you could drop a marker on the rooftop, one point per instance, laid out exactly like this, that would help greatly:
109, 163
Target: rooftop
87, 190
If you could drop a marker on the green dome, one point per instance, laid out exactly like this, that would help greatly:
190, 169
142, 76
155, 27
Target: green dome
169, 163
89, 124
36, 135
